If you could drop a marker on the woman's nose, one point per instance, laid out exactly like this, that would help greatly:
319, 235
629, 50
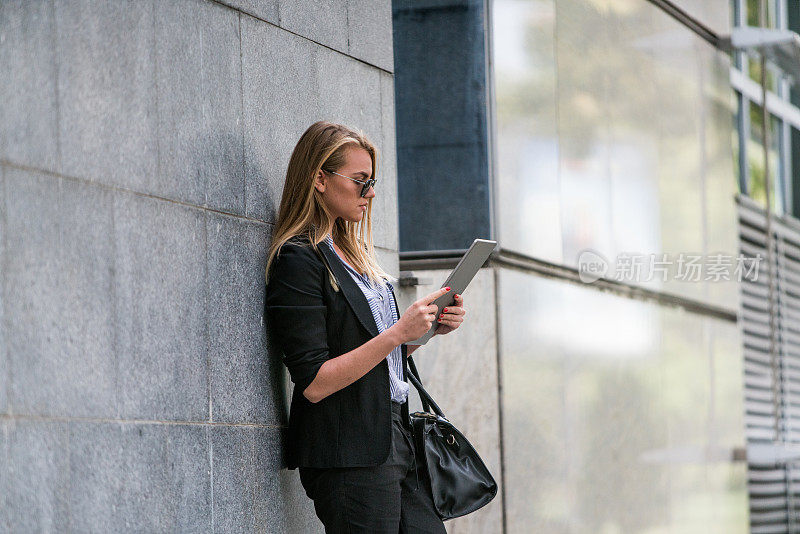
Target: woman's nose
370, 192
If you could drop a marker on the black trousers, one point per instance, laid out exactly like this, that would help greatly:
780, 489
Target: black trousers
388, 499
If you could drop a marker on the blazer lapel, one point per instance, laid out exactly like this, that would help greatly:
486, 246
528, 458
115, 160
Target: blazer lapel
351, 291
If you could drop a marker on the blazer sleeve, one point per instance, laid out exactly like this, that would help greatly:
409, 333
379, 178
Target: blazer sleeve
296, 313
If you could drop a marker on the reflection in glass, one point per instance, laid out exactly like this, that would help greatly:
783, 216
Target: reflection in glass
613, 134
528, 209
618, 416
753, 12
754, 71
755, 158
753, 8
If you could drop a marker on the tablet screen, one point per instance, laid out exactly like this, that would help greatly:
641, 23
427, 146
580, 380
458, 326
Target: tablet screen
459, 279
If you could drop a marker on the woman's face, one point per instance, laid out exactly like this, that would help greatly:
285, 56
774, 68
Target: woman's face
342, 196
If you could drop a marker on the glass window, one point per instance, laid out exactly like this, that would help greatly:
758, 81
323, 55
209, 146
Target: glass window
754, 71
528, 191
793, 23
794, 172
754, 16
602, 392
755, 156
753, 63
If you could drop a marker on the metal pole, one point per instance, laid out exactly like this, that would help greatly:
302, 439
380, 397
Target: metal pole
776, 363
776, 379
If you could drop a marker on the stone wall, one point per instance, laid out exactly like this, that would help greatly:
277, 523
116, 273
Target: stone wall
143, 147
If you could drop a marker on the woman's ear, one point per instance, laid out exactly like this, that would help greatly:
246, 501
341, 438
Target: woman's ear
319, 181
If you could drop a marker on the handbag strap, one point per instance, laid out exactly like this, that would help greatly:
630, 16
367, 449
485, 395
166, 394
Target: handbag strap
427, 400
331, 276
414, 376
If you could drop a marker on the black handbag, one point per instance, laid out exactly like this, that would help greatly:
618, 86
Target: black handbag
460, 482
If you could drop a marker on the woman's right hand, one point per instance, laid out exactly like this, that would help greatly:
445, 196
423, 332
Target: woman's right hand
419, 317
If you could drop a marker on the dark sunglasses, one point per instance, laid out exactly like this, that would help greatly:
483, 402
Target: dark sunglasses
367, 184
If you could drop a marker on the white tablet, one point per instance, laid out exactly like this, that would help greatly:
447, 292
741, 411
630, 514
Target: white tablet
459, 279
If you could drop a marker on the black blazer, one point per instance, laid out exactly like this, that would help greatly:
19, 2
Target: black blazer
311, 322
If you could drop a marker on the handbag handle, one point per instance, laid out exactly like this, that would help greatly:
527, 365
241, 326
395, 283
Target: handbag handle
425, 397
415, 379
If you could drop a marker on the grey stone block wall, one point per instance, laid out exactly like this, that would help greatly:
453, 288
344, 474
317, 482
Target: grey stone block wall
143, 148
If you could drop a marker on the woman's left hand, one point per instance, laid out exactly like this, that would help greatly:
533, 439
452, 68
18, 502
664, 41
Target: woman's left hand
451, 317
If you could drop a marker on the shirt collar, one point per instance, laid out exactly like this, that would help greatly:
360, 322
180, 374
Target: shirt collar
329, 240
363, 276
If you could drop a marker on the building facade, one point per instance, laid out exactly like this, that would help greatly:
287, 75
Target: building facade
581, 133
607, 145
143, 149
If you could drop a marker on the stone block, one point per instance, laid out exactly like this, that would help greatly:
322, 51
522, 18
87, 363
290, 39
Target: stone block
298, 508
59, 296
139, 477
323, 21
95, 456
199, 105
280, 103
247, 493
272, 506
388, 260
263, 9
432, 5
4, 474
188, 473
3, 338
386, 222
107, 94
349, 92
160, 292
369, 32
28, 92
34, 477
242, 374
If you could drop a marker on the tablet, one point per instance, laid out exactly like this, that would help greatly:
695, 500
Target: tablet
458, 280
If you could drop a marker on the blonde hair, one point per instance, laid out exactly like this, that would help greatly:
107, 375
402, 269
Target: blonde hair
323, 146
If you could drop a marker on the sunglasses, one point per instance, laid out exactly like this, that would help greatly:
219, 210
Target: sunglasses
367, 184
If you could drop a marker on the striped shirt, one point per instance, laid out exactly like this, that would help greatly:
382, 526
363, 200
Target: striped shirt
385, 314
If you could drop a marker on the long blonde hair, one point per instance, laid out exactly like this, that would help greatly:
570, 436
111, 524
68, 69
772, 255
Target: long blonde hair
323, 146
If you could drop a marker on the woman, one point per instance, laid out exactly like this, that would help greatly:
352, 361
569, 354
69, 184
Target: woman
332, 312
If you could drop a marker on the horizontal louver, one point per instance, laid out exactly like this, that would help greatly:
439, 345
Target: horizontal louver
774, 487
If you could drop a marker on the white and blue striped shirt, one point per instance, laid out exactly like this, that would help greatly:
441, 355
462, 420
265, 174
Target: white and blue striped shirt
385, 314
